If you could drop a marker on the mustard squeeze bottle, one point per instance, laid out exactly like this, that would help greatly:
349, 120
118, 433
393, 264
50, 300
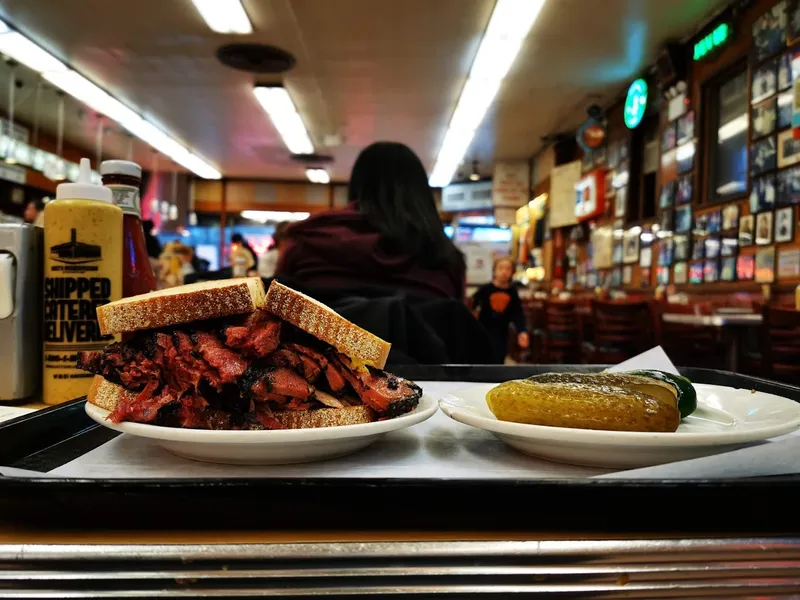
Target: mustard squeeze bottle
82, 270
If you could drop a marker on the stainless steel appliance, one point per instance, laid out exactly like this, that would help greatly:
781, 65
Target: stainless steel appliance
20, 311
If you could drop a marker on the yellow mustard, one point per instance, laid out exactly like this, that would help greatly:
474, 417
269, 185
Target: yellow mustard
82, 270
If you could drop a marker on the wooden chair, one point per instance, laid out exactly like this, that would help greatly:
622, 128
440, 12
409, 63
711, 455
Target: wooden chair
621, 330
562, 333
781, 344
688, 345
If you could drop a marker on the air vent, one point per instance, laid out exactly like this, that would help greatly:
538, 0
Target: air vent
256, 58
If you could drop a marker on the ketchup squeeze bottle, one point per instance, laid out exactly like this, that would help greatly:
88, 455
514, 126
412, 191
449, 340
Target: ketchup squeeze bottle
124, 179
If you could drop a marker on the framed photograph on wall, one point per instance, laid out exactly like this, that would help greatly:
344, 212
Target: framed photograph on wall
696, 273
727, 271
698, 248
627, 275
784, 224
785, 110
765, 81
666, 220
762, 194
712, 247
714, 221
662, 276
681, 247
701, 224
630, 239
764, 118
621, 201
646, 257
684, 195
667, 196
730, 217
788, 186
684, 157
765, 265
728, 246
769, 31
745, 267
788, 149
711, 271
746, 227
683, 219
793, 21
763, 155
685, 131
784, 71
665, 252
789, 263
680, 273
764, 228
669, 137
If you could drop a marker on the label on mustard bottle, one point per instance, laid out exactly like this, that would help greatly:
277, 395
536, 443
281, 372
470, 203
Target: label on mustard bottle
127, 197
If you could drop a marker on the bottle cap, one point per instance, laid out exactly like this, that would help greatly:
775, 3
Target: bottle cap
84, 189
120, 167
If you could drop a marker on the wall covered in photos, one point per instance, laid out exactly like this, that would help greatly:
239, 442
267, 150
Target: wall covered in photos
724, 203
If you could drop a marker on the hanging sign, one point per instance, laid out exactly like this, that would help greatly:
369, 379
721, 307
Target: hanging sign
635, 103
591, 135
511, 184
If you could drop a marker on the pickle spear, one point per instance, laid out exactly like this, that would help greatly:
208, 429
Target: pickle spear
581, 406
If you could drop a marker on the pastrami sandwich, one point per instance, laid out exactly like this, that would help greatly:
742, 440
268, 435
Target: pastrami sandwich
227, 355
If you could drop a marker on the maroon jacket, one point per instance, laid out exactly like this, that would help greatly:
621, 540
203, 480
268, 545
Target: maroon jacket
340, 249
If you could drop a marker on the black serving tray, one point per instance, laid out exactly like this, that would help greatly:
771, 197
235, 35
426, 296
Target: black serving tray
49, 438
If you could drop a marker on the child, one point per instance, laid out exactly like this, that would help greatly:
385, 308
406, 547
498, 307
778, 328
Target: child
496, 305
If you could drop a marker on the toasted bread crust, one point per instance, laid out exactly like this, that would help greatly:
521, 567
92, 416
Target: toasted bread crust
324, 417
327, 325
183, 304
106, 395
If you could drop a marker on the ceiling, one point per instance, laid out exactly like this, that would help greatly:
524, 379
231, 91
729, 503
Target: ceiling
366, 70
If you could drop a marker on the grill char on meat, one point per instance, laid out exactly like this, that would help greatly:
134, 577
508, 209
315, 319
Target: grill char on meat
209, 375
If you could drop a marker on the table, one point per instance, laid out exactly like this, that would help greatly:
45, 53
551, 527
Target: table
732, 326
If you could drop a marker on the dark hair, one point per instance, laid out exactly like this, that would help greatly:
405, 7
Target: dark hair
280, 232
38, 203
148, 225
237, 238
390, 187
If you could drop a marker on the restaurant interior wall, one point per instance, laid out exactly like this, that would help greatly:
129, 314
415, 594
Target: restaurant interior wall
702, 76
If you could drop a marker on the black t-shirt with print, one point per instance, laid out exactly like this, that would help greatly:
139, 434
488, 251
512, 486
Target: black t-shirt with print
497, 307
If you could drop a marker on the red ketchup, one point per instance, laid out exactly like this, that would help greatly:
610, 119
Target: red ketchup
124, 178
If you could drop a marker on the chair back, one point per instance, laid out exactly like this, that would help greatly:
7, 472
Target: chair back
781, 344
621, 329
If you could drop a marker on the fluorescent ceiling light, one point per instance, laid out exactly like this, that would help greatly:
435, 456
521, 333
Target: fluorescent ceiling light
733, 127
284, 116
508, 27
24, 51
318, 176
265, 216
224, 16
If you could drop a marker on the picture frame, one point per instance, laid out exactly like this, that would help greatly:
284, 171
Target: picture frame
745, 267
684, 194
793, 21
698, 248
763, 193
714, 222
684, 157
669, 137
764, 228
665, 252
666, 222
729, 246
683, 219
769, 31
784, 225
662, 276
682, 247
621, 201
765, 81
765, 265
764, 118
701, 224
631, 246
627, 274
711, 271
788, 186
730, 217
763, 155
784, 110
666, 198
784, 71
616, 252
727, 270
789, 263
680, 273
646, 257
696, 273
788, 149
685, 129
746, 229
712, 247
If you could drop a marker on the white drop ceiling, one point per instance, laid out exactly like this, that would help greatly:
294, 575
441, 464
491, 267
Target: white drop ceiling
366, 70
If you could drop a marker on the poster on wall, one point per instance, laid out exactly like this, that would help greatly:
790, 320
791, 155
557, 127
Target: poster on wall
769, 31
562, 194
602, 243
510, 184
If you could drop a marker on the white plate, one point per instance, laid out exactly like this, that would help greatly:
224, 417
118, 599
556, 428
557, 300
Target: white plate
726, 418
280, 447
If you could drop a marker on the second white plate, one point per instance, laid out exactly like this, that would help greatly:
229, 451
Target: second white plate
279, 447
726, 418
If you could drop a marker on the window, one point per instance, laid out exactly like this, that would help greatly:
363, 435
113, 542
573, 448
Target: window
727, 151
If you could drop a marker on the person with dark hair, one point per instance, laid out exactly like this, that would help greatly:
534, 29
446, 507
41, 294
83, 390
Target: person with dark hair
151, 242
497, 305
268, 262
239, 240
389, 235
34, 211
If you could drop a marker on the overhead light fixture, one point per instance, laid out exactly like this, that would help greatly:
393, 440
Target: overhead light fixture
284, 116
474, 176
318, 176
26, 52
224, 16
508, 27
276, 216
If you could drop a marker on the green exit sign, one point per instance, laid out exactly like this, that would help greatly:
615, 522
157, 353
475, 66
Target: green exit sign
712, 41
